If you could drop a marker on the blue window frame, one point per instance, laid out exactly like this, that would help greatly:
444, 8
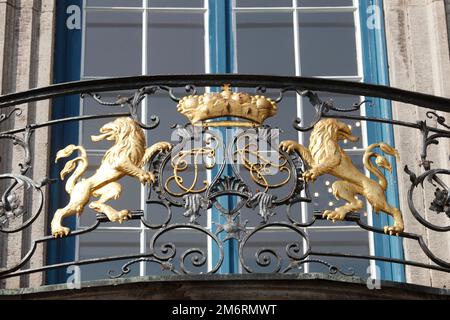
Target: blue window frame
376, 72
67, 64
222, 60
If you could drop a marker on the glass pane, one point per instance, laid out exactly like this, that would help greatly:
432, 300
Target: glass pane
176, 43
99, 244
114, 3
324, 3
176, 3
327, 44
113, 44
287, 112
264, 3
354, 242
265, 43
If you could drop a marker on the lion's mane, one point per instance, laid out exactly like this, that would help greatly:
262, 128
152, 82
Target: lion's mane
324, 141
130, 142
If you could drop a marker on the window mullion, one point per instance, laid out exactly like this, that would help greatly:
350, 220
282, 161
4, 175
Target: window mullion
143, 230
299, 101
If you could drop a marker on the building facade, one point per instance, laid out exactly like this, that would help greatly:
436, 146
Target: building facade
400, 43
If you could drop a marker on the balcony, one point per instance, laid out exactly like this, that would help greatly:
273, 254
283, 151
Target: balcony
228, 177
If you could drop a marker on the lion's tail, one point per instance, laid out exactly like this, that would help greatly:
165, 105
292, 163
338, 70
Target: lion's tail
78, 164
380, 160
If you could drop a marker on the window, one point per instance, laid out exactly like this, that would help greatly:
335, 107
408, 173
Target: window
307, 38
321, 38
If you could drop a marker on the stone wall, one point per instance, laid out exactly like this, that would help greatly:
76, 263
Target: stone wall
418, 50
26, 61
447, 10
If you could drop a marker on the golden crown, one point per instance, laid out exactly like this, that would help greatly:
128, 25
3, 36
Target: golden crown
199, 108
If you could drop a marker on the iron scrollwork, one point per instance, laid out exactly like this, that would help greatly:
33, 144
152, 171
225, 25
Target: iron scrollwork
441, 201
13, 208
190, 177
12, 201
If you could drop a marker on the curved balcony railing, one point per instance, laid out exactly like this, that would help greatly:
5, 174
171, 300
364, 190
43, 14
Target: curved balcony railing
235, 168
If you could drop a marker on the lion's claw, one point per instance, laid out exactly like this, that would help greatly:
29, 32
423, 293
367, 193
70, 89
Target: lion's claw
164, 146
60, 232
393, 230
287, 146
310, 176
120, 217
147, 177
333, 215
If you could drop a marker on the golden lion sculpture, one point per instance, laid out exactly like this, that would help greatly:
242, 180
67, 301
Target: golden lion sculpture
325, 156
127, 156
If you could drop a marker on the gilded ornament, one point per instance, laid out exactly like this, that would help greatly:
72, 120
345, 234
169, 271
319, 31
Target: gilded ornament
200, 108
325, 156
180, 163
127, 157
260, 166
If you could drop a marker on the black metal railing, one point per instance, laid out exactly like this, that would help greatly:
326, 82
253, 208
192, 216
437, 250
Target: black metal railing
249, 190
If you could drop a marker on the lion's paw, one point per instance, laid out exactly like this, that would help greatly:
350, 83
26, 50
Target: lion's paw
164, 146
288, 146
393, 230
60, 231
120, 217
147, 177
310, 175
333, 215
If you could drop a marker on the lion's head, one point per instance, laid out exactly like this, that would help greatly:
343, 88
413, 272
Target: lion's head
128, 136
325, 136
334, 130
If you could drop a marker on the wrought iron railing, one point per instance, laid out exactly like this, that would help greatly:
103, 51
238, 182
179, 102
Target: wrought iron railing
237, 170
